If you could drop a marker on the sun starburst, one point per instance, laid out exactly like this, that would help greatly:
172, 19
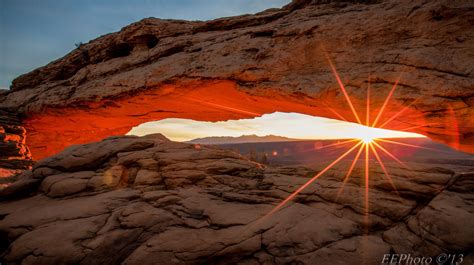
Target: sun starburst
366, 143
367, 139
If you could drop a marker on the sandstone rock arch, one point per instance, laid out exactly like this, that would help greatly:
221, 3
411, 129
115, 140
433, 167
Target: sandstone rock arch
246, 66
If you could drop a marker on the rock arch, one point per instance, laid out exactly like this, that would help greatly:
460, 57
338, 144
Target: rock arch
246, 66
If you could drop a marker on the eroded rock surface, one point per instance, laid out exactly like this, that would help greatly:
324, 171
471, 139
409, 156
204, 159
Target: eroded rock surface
15, 156
147, 200
246, 66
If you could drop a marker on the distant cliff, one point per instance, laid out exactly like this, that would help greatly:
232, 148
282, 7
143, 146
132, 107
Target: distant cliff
241, 139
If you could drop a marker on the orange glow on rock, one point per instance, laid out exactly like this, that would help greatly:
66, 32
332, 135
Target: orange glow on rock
54, 129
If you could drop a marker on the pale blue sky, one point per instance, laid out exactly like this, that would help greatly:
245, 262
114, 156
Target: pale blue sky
36, 32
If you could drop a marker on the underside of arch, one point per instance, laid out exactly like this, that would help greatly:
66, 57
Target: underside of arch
293, 59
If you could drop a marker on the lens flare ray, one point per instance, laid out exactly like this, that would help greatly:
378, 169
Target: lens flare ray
367, 108
416, 127
300, 189
336, 144
351, 168
390, 154
409, 145
389, 178
366, 143
367, 168
343, 89
223, 107
336, 113
397, 114
387, 99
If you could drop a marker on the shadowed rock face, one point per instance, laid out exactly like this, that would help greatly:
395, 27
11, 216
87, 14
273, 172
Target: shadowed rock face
148, 200
14, 154
246, 66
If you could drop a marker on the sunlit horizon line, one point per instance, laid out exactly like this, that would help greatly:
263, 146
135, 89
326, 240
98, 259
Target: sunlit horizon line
180, 129
291, 138
303, 139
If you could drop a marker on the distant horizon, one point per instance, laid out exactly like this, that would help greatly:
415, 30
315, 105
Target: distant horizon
297, 139
290, 125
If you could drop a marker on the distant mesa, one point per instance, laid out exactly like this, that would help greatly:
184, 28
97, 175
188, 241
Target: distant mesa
252, 138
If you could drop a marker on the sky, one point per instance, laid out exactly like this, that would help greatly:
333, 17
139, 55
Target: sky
36, 32
292, 125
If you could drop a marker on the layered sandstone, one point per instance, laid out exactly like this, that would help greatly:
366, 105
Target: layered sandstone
131, 200
15, 155
245, 66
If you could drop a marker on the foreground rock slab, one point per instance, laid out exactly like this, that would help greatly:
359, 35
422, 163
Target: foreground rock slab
147, 200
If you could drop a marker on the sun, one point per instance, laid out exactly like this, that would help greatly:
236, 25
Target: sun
367, 139
367, 142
